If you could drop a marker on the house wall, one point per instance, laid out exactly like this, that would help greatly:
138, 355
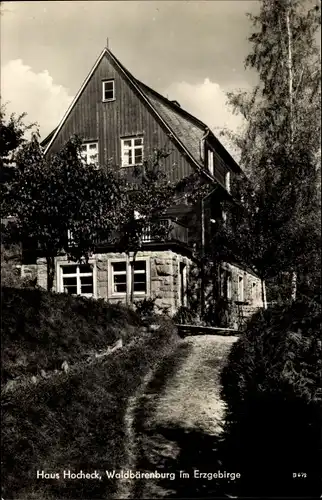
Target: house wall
107, 122
252, 298
163, 277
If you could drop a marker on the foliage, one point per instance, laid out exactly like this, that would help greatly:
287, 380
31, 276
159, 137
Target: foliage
50, 197
145, 308
278, 217
41, 330
48, 428
186, 316
10, 268
12, 136
217, 312
143, 207
272, 386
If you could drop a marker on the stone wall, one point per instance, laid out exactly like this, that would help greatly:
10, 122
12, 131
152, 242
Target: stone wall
252, 295
164, 283
163, 277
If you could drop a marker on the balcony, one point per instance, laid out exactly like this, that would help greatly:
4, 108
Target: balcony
173, 230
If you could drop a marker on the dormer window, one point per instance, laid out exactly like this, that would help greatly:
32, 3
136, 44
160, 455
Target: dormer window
108, 89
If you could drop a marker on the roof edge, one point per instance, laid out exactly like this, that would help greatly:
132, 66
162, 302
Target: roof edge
74, 101
135, 84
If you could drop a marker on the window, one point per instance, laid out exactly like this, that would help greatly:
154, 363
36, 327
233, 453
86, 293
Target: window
229, 289
90, 153
241, 288
254, 291
121, 277
227, 181
108, 89
77, 279
211, 161
140, 276
225, 284
132, 151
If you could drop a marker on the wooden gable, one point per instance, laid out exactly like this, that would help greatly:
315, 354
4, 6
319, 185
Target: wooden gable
127, 115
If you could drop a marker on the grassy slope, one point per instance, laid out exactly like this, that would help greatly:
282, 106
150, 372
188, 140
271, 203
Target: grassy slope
40, 330
75, 421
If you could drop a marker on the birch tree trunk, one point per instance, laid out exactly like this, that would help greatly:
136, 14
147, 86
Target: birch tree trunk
291, 115
264, 299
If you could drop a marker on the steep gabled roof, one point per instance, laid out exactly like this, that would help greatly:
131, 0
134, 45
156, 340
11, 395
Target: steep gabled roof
184, 128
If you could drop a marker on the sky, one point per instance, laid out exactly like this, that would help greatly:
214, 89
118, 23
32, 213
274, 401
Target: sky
191, 51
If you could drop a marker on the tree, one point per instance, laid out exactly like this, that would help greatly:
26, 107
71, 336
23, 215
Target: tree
143, 208
12, 137
279, 217
58, 196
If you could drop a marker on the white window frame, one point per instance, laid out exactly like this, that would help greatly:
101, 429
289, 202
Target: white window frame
227, 181
241, 288
112, 293
78, 274
125, 149
86, 156
111, 80
211, 161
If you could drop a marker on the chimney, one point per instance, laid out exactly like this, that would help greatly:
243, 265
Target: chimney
107, 43
176, 103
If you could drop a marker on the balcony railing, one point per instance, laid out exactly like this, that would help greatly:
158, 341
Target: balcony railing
171, 231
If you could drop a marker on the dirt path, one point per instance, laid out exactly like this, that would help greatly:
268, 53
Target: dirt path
178, 421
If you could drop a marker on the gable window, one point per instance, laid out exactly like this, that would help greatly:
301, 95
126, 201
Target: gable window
77, 279
108, 89
121, 277
227, 181
132, 151
211, 161
89, 153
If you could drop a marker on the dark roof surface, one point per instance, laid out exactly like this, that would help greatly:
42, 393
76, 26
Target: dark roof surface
185, 127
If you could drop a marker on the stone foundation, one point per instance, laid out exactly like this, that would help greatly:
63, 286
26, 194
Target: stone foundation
165, 284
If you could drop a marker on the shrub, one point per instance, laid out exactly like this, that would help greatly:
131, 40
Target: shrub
186, 315
218, 313
272, 386
145, 308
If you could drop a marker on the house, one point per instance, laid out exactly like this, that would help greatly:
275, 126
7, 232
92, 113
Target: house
121, 120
